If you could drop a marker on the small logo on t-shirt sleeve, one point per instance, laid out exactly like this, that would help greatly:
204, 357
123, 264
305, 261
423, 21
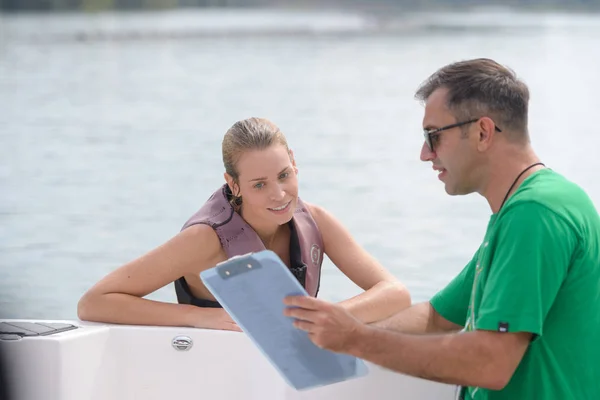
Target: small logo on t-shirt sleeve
502, 326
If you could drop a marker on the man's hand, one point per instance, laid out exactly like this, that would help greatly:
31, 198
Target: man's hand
329, 325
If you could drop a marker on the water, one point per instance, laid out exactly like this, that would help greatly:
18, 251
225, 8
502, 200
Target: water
108, 144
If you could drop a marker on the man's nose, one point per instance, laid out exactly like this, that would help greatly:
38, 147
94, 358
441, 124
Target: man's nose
426, 153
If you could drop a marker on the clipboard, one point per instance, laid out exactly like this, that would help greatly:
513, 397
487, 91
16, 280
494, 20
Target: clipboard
251, 289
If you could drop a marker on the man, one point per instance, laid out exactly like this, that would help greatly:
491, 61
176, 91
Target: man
522, 319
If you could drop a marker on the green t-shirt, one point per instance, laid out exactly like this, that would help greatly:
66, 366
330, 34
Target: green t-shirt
538, 271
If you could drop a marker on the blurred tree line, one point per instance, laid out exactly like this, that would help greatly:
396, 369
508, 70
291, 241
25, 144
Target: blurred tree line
99, 5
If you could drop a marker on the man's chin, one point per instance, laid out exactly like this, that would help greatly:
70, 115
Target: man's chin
451, 189
454, 191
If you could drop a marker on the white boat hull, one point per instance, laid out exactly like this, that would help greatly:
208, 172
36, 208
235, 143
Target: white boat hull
119, 362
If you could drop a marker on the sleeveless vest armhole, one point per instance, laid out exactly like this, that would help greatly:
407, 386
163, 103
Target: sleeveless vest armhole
297, 265
185, 296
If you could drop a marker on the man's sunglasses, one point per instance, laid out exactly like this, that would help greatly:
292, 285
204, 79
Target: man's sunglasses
432, 134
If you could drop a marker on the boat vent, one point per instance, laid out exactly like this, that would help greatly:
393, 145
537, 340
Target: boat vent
16, 330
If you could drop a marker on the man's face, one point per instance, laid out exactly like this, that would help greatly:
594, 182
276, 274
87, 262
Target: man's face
453, 155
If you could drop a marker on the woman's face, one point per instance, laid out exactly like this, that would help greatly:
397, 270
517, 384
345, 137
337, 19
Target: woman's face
268, 184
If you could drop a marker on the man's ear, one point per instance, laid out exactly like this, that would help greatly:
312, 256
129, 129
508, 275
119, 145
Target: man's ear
487, 131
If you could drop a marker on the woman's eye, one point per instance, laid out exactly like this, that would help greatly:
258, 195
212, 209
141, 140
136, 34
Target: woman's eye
259, 185
284, 175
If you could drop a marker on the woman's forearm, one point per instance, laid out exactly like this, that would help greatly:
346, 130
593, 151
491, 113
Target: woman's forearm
379, 302
120, 308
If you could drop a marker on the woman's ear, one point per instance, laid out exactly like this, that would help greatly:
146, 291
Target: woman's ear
231, 183
293, 160
228, 179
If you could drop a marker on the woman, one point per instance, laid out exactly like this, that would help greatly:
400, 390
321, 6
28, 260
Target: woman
258, 208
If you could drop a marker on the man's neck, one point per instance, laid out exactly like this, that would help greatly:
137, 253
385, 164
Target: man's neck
503, 173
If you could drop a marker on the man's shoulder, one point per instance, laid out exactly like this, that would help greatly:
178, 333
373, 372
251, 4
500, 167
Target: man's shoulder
550, 191
548, 182
551, 206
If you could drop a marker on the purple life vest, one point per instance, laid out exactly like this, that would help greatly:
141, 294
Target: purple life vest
238, 238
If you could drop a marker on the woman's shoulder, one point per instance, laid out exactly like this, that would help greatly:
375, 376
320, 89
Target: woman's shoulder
200, 231
201, 236
319, 213
313, 208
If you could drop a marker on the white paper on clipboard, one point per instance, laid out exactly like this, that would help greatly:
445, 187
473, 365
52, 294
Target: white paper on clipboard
251, 289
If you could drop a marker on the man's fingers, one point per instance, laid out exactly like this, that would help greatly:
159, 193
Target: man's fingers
304, 325
307, 302
301, 314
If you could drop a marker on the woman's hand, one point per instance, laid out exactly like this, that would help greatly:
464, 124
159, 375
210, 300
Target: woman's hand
215, 318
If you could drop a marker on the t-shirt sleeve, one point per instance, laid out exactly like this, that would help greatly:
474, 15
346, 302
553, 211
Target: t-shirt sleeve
452, 301
531, 258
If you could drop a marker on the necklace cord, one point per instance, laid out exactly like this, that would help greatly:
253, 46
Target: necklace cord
515, 182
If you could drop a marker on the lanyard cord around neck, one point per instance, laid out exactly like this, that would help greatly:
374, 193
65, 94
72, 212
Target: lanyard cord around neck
516, 180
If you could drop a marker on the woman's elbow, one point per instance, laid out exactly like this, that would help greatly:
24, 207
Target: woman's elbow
85, 307
406, 299
401, 295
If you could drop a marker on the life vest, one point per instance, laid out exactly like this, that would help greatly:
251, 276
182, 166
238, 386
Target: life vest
238, 238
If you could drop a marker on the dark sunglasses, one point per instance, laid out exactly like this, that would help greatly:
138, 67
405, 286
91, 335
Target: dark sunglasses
432, 134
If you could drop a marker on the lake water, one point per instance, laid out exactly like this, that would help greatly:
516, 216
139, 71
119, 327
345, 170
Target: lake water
111, 125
